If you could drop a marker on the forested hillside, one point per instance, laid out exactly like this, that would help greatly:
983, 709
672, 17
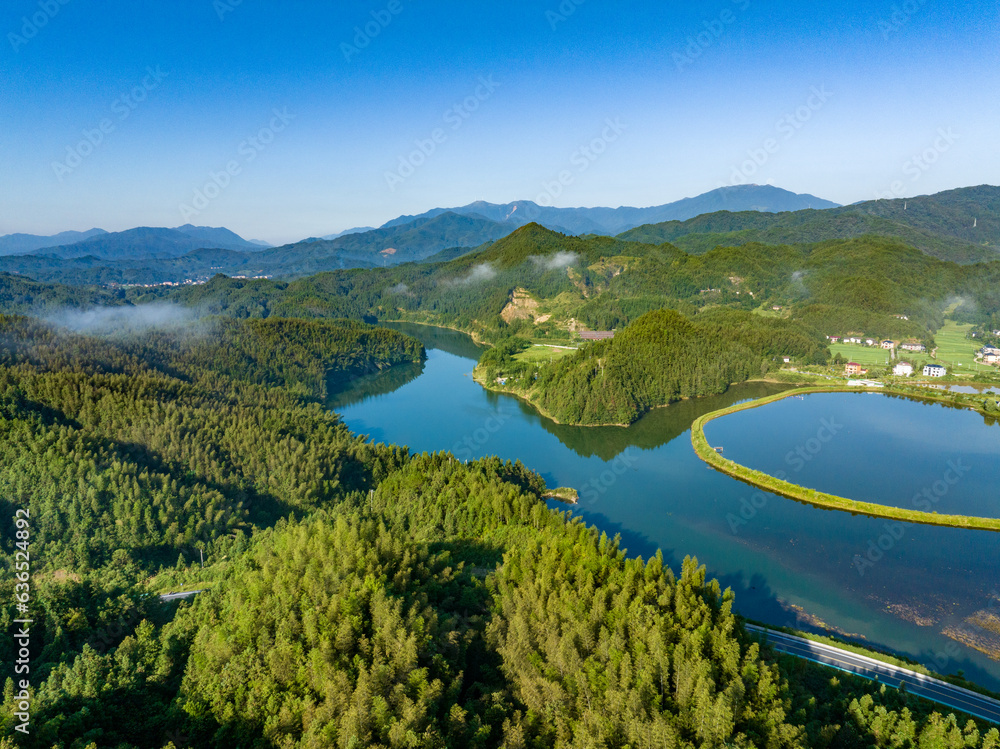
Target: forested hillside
20, 295
355, 595
867, 284
661, 358
959, 225
542, 285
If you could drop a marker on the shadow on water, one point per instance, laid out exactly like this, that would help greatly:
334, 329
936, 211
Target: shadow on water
656, 428
343, 392
755, 599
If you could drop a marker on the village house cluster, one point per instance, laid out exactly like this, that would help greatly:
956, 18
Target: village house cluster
901, 368
886, 344
989, 355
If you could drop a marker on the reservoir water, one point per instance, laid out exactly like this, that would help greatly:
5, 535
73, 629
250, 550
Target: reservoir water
927, 592
872, 447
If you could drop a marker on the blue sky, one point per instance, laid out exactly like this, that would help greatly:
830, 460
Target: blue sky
289, 119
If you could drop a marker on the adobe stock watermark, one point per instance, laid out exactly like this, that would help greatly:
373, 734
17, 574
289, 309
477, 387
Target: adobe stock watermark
582, 159
364, 35
599, 485
787, 127
924, 500
712, 32
919, 164
33, 24
247, 151
562, 13
122, 108
224, 7
469, 447
899, 17
796, 460
454, 118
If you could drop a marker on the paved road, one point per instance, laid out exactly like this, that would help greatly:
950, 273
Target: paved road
927, 687
178, 596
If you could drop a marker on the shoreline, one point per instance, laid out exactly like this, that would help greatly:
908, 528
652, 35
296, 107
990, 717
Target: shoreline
811, 496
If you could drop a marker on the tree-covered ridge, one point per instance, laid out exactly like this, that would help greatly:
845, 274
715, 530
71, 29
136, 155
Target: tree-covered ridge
174, 440
346, 630
959, 225
661, 358
865, 285
20, 295
297, 355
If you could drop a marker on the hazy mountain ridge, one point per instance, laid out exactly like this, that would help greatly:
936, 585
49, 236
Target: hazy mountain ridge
402, 243
147, 242
18, 243
617, 220
945, 225
406, 243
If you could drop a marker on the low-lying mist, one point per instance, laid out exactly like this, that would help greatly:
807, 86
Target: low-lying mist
129, 320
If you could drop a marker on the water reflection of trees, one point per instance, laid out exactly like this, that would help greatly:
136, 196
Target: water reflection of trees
347, 392
449, 341
658, 427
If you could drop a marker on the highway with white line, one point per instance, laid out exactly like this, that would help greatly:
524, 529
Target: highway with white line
918, 684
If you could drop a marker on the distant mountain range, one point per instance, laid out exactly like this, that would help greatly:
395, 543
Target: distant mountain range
86, 263
13, 244
141, 242
961, 225
355, 230
612, 221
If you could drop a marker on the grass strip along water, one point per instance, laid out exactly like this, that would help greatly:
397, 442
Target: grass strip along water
811, 496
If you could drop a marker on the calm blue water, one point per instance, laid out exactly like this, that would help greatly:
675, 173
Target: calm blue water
872, 447
895, 585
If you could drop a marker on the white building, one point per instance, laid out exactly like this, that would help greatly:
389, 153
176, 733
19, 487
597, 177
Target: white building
903, 369
864, 384
934, 370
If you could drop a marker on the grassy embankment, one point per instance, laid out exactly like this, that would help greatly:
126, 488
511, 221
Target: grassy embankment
810, 496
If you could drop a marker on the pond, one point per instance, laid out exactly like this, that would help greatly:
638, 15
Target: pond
871, 447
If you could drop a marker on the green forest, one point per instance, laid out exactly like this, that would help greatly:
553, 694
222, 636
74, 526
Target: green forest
867, 284
659, 359
355, 594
